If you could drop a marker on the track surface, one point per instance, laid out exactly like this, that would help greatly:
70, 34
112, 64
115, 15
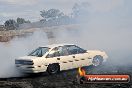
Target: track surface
67, 79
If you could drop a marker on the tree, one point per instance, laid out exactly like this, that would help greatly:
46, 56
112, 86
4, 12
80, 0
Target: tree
76, 10
51, 14
10, 24
80, 9
22, 20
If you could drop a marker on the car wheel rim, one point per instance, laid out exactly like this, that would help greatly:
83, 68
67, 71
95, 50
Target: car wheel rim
96, 62
53, 69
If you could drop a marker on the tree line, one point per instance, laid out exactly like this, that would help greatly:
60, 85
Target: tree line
12, 24
50, 16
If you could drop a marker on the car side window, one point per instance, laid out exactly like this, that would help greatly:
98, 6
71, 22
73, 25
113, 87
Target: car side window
53, 53
58, 51
72, 49
63, 51
39, 52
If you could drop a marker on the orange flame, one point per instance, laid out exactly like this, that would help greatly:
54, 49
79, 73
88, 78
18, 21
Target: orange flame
81, 71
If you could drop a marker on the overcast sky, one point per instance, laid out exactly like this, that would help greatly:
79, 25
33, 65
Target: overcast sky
30, 9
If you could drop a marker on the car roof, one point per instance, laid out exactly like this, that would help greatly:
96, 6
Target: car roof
56, 45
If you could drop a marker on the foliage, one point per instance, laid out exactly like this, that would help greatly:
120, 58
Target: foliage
80, 9
12, 24
51, 14
22, 20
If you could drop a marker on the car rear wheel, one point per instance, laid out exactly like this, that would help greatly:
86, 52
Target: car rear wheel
53, 68
97, 60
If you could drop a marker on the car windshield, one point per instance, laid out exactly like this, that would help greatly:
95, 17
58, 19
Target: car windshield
39, 52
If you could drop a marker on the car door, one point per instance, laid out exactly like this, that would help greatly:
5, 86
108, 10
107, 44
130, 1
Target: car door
81, 57
60, 55
66, 61
39, 60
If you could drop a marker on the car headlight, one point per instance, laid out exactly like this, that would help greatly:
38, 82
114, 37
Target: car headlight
28, 62
17, 62
24, 62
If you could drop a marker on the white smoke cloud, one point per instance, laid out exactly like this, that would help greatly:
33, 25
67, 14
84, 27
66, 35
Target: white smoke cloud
15, 48
21, 2
105, 5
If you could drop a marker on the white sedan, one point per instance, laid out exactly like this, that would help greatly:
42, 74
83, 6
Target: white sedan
57, 57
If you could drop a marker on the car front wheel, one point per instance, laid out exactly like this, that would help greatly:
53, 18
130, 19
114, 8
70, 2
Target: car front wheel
53, 68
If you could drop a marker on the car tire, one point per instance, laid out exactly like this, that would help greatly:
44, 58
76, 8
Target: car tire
97, 60
53, 68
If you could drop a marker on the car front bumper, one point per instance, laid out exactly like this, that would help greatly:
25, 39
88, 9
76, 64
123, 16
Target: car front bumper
31, 68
